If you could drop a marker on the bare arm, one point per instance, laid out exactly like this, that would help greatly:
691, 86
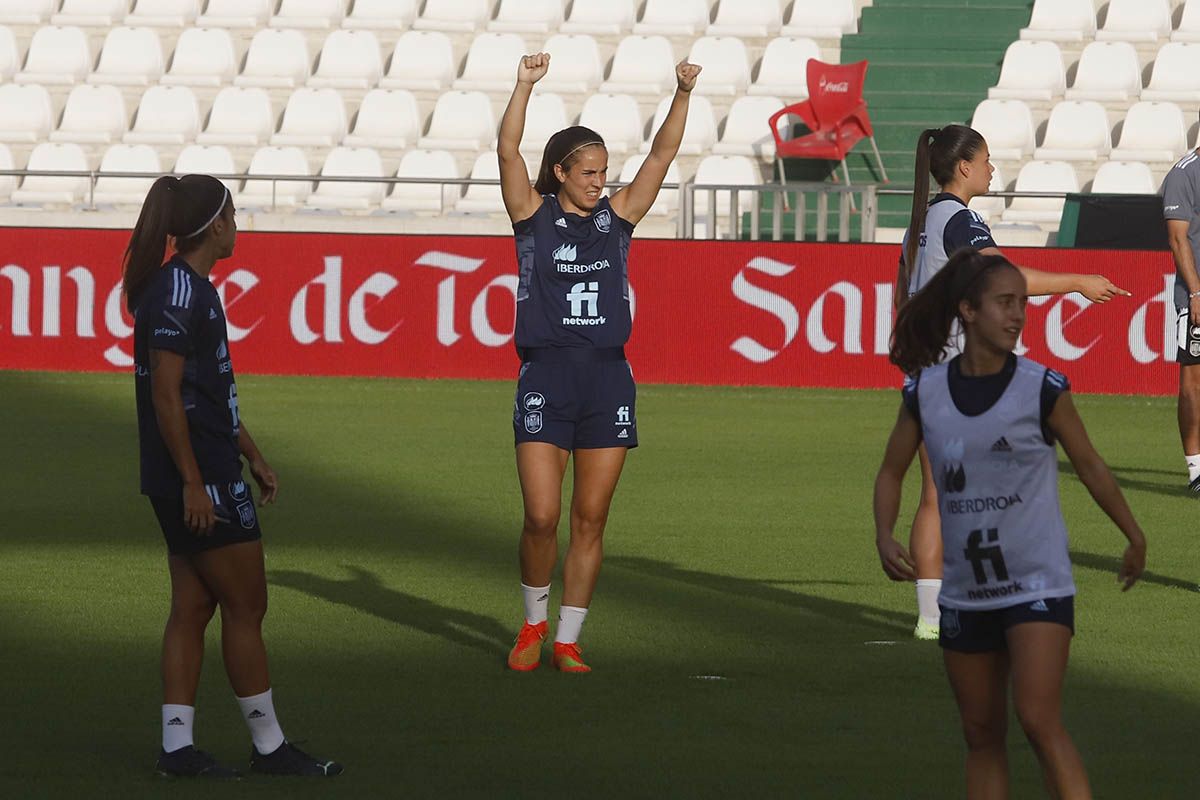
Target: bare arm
1096, 288
520, 199
901, 448
166, 378
633, 201
1064, 421
268, 482
1185, 264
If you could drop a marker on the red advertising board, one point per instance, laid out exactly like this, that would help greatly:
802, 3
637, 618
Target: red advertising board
740, 313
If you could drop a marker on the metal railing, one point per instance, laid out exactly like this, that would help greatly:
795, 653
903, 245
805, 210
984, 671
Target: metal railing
780, 193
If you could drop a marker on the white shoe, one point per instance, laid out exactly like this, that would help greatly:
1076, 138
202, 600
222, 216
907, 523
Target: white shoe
925, 631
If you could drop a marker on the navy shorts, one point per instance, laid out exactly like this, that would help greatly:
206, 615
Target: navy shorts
1187, 336
966, 631
233, 505
576, 405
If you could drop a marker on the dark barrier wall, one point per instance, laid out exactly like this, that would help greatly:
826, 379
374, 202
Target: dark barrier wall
442, 307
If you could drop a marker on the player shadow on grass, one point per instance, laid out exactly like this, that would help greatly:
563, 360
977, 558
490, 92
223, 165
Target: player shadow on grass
365, 592
892, 622
1112, 564
1173, 488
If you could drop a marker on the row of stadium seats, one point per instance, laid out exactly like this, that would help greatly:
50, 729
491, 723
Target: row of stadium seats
353, 59
1125, 20
345, 162
824, 18
1113, 177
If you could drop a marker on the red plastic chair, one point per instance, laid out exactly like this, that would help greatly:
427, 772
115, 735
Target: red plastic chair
835, 113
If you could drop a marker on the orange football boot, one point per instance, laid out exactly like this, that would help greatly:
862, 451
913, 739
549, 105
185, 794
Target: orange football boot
527, 652
568, 658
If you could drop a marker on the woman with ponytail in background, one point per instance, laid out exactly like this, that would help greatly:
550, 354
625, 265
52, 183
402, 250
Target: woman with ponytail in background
192, 440
575, 393
989, 420
958, 159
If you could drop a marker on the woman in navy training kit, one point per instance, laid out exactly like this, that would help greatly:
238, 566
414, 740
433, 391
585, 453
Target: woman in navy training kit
989, 420
192, 440
575, 393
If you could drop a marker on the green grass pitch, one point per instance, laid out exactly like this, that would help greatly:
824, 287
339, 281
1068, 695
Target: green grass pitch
739, 547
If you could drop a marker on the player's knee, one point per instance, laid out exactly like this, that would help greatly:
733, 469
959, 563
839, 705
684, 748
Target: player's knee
541, 523
984, 734
247, 608
1039, 724
588, 525
193, 610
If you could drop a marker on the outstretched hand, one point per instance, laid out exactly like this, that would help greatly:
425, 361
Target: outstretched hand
533, 68
686, 75
1100, 289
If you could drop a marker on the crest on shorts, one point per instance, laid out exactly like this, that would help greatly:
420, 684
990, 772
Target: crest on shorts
237, 490
1194, 348
534, 401
533, 422
950, 626
246, 515
603, 220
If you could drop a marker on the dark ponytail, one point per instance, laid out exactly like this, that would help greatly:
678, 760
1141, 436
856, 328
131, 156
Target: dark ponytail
563, 149
178, 208
939, 150
924, 323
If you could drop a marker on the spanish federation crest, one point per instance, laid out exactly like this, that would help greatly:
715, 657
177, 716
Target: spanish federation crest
246, 515
533, 422
603, 219
950, 625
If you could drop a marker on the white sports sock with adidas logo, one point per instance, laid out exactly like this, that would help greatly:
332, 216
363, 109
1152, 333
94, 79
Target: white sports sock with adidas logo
570, 623
259, 713
1193, 464
928, 590
177, 726
537, 603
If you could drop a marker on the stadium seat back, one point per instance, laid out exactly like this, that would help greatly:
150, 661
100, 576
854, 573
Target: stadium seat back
129, 57
576, 64
492, 62
528, 16
276, 59
601, 17
1030, 71
92, 114
460, 121
239, 116
1007, 125
312, 118
424, 196
747, 18
1076, 131
785, 58
275, 161
747, 131
641, 65
381, 14
166, 115
617, 118
1107, 71
421, 60
349, 60
726, 65
26, 113
387, 118
57, 56
127, 158
1124, 177
203, 57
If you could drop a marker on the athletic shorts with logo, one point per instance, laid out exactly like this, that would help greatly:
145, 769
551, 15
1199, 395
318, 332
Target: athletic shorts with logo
966, 631
236, 519
576, 405
1187, 336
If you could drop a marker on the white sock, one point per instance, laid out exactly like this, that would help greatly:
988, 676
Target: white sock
537, 603
259, 713
928, 590
177, 726
1193, 463
570, 623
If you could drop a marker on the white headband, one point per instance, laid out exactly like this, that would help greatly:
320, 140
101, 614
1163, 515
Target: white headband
220, 208
578, 148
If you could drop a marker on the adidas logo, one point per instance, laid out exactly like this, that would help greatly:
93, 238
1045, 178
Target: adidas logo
544, 597
1039, 605
175, 721
560, 222
212, 314
1001, 445
624, 434
255, 714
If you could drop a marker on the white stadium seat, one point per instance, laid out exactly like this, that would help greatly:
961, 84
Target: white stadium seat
275, 60
700, 131
381, 14
275, 194
349, 162
387, 119
735, 170
208, 160
453, 15
7, 182
1061, 21
1189, 23
492, 63
528, 16
1007, 126
56, 56
54, 189
784, 66
165, 115
96, 13
1076, 131
615, 117
746, 131
1136, 21
479, 198
1031, 71
747, 18
239, 116
1176, 75
349, 60
203, 57
312, 118
129, 57
987, 206
1041, 176
601, 17
460, 121
26, 114
164, 13
94, 114
10, 55
1152, 132
1124, 177
1108, 71
422, 60
726, 65
545, 116
641, 65
319, 14
26, 12
424, 196
821, 19
127, 158
673, 18
575, 65
236, 13
668, 198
